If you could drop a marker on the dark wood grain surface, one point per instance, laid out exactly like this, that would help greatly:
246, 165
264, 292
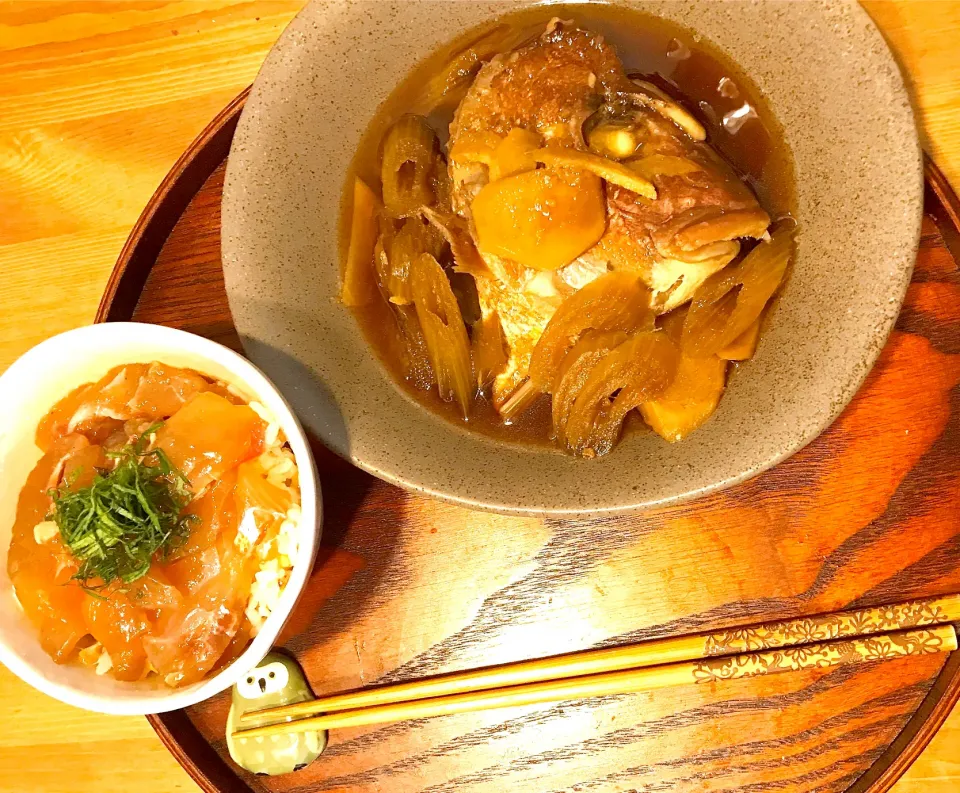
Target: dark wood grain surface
405, 586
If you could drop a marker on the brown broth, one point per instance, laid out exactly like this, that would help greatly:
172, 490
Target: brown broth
739, 123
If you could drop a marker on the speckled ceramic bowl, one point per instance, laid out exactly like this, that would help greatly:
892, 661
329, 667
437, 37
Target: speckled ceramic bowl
834, 87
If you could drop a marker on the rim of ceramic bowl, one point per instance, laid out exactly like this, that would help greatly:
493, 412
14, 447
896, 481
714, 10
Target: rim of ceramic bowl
123, 335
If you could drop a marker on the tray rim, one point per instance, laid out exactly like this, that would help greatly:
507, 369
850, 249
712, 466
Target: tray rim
125, 284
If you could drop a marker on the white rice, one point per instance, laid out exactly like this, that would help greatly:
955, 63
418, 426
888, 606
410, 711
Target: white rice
96, 656
104, 663
276, 556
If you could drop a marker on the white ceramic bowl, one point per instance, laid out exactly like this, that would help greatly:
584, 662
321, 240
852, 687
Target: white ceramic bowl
27, 391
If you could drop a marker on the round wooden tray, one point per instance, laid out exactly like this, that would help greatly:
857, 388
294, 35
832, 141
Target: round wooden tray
405, 586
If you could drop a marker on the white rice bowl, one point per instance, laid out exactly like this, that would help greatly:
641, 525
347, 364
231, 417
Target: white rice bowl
30, 387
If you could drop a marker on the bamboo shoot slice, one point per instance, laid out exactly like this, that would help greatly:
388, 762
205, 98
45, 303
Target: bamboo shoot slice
359, 278
689, 401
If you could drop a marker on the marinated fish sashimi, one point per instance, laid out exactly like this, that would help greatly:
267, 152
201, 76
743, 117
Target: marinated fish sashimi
209, 436
147, 446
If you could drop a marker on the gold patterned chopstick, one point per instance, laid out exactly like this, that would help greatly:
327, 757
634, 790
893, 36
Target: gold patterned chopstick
810, 656
765, 636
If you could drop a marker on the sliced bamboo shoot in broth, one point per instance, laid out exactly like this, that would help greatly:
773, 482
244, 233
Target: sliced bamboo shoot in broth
550, 236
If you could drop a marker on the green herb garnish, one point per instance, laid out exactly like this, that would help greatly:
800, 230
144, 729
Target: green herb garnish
128, 515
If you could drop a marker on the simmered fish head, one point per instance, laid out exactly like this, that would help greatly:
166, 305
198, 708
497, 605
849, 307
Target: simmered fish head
569, 87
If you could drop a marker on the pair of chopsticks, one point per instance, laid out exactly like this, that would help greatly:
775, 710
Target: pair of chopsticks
850, 637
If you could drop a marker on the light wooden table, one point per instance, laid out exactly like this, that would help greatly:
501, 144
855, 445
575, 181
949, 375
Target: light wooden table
97, 100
